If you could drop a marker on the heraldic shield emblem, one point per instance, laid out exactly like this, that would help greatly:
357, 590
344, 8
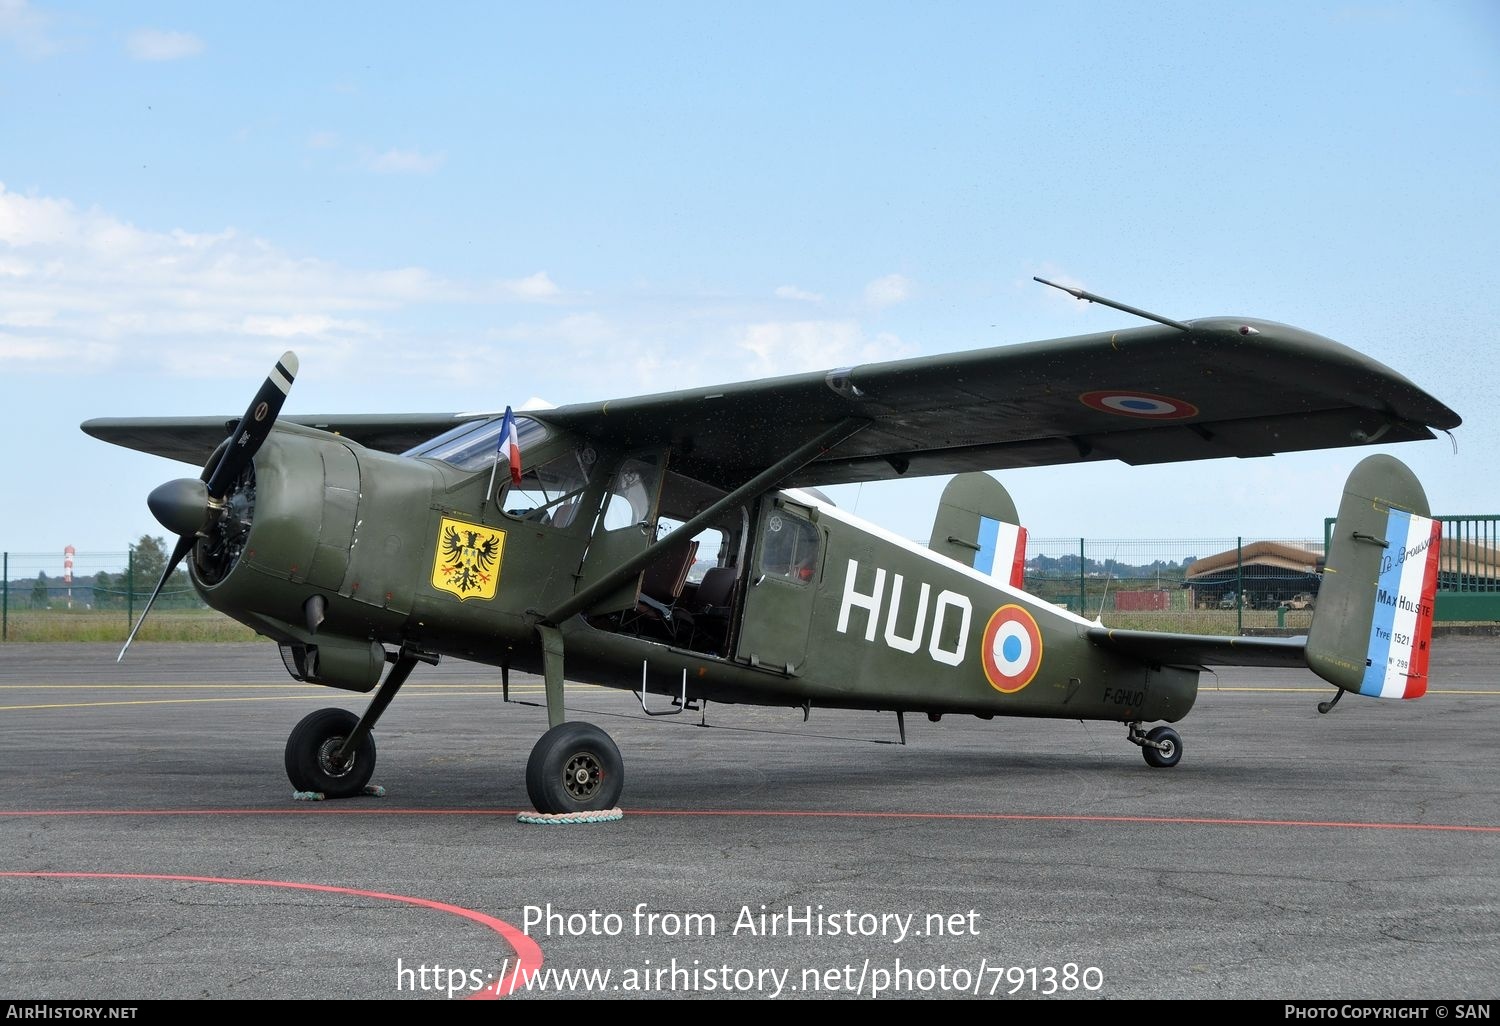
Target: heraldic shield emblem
468, 557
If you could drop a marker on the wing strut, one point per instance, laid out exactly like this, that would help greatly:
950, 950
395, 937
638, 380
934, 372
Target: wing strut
768, 478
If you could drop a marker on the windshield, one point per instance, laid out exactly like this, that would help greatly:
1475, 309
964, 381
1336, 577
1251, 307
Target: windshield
472, 445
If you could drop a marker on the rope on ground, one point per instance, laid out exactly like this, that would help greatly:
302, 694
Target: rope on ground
569, 818
373, 790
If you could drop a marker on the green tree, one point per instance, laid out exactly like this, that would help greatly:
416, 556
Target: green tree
150, 559
104, 585
39, 592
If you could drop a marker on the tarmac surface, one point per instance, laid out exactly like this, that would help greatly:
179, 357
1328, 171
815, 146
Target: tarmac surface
150, 847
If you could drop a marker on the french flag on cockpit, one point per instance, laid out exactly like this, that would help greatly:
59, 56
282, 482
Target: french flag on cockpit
509, 448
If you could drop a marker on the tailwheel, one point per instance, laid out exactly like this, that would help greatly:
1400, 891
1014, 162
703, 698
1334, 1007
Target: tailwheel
1162, 747
312, 750
575, 767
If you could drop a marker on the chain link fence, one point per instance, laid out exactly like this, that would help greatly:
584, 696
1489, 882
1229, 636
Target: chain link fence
1214, 585
1224, 585
90, 596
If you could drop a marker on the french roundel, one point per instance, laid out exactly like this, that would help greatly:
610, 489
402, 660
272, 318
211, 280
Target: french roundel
1138, 404
1012, 649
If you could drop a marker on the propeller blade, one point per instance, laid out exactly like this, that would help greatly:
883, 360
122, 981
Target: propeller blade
188, 507
184, 544
254, 426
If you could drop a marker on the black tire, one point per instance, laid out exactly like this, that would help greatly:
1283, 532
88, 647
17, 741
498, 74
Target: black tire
310, 749
574, 767
1163, 758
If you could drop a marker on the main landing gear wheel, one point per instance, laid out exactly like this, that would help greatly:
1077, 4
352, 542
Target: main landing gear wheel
1170, 751
311, 751
575, 767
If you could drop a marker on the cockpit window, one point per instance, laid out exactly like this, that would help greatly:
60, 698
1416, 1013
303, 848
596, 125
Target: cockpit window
550, 494
472, 444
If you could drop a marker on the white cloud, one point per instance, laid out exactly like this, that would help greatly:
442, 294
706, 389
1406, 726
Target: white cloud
536, 286
27, 29
793, 292
786, 347
82, 290
27, 318
308, 325
162, 45
888, 291
14, 348
85, 293
323, 140
405, 162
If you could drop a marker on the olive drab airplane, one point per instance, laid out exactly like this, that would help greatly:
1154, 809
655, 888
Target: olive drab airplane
560, 542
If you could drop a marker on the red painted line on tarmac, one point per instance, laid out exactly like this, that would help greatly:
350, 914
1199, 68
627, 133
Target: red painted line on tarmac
528, 954
1003, 817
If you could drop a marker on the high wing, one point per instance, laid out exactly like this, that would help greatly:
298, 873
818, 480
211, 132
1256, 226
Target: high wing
1156, 394
1223, 388
194, 439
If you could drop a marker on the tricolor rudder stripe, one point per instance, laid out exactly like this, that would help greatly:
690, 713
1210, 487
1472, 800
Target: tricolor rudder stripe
1401, 631
1002, 551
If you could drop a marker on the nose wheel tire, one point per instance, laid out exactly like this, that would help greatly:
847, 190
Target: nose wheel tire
1170, 751
575, 767
312, 750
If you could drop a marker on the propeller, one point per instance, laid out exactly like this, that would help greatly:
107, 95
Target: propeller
191, 507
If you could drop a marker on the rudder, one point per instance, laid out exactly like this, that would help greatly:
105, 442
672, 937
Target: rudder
977, 525
1372, 632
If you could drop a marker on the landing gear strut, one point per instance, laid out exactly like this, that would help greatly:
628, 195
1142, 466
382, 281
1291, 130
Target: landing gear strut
575, 767
313, 760
1162, 746
332, 751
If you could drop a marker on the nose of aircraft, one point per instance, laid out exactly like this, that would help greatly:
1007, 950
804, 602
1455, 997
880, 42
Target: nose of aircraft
181, 506
189, 507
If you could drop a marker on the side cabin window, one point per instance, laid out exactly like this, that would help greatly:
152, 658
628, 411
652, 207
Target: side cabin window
788, 547
549, 494
632, 495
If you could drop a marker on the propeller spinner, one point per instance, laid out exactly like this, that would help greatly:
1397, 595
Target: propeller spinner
192, 507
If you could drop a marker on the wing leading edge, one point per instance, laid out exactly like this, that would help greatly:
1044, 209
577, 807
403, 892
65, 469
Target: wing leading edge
1225, 387
194, 439
1157, 394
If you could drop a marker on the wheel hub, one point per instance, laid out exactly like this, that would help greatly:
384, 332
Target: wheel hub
582, 776
328, 758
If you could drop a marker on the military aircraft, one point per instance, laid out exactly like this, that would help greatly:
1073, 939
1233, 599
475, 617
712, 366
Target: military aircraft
559, 542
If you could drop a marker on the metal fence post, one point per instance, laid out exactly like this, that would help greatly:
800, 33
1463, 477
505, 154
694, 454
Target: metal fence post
5, 600
1083, 603
129, 588
1239, 585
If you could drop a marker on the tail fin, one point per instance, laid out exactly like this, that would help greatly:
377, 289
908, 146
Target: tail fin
1372, 630
977, 525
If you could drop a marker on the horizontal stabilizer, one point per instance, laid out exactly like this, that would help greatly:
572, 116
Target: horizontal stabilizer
1201, 650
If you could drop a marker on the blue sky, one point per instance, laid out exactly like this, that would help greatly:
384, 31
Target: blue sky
462, 206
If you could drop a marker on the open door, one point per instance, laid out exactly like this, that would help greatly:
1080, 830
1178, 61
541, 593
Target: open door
625, 526
784, 574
